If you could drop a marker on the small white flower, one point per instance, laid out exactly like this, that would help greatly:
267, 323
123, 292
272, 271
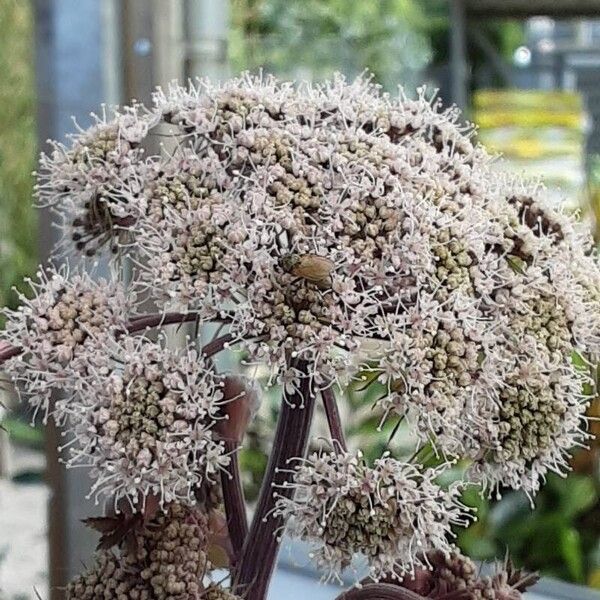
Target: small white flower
146, 427
66, 321
390, 513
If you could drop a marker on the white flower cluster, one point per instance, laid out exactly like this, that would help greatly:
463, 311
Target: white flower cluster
320, 212
144, 427
390, 513
316, 225
89, 184
68, 320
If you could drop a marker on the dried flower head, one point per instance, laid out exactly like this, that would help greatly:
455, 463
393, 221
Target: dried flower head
65, 322
390, 513
144, 425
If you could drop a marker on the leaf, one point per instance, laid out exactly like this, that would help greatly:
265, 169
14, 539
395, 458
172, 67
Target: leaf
102, 524
115, 530
477, 547
594, 579
578, 495
518, 265
220, 550
571, 551
217, 556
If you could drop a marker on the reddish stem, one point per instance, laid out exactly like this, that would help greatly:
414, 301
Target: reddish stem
135, 325
149, 321
235, 503
215, 346
291, 440
9, 353
334, 420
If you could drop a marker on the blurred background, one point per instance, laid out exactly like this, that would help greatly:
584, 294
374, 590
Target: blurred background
527, 73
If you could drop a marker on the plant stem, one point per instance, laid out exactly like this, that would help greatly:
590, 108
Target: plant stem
135, 325
379, 591
235, 503
334, 421
9, 353
215, 346
157, 320
262, 544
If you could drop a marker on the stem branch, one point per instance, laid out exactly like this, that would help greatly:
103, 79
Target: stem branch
235, 503
135, 325
149, 321
8, 353
334, 420
291, 440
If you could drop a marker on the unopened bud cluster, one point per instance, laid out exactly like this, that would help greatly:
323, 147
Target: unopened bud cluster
166, 560
454, 575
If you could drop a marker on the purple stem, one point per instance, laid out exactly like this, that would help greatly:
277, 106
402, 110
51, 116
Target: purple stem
215, 346
141, 323
334, 420
291, 440
137, 324
235, 503
9, 353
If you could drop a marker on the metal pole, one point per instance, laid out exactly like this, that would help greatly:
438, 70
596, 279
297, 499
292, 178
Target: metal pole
71, 73
206, 28
137, 50
458, 53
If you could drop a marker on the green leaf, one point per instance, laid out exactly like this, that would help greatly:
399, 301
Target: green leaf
578, 494
570, 547
478, 548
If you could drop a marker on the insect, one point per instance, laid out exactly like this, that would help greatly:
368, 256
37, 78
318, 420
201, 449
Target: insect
313, 268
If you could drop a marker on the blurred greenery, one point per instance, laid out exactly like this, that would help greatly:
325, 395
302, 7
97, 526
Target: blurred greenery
594, 194
312, 38
17, 146
559, 537
22, 433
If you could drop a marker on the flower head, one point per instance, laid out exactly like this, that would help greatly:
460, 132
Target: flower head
380, 197
491, 374
65, 322
144, 424
455, 575
310, 219
90, 183
389, 513
165, 561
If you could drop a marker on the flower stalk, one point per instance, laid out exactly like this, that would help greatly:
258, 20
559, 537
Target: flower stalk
291, 440
379, 591
234, 501
334, 421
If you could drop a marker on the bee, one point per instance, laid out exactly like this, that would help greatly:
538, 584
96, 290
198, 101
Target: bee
315, 269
